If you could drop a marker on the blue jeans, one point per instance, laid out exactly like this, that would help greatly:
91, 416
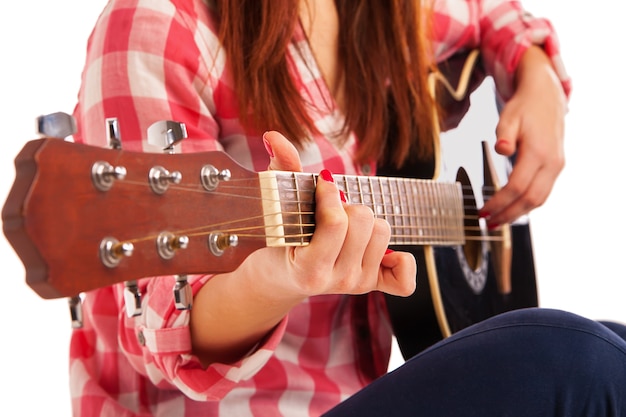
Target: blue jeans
533, 362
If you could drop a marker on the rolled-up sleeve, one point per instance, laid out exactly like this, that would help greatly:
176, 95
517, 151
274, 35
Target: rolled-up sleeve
160, 341
501, 30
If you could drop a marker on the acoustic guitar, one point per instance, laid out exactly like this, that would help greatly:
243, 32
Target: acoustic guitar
83, 217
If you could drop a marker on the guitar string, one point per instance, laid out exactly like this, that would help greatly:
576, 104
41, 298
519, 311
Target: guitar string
404, 236
412, 238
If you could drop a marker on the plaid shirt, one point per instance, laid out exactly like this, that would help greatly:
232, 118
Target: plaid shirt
160, 60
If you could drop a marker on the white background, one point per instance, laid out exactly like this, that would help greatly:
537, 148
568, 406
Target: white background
578, 234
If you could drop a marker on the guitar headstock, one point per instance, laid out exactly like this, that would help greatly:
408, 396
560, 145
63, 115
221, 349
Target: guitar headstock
82, 217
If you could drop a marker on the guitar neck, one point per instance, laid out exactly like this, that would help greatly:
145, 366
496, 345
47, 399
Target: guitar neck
112, 215
420, 212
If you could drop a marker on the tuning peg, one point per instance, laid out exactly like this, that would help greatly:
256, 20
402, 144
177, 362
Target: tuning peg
166, 134
211, 177
112, 252
160, 179
219, 242
113, 133
61, 125
76, 311
104, 174
132, 298
56, 125
183, 296
167, 244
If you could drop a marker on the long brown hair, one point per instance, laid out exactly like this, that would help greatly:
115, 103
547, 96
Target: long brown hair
383, 51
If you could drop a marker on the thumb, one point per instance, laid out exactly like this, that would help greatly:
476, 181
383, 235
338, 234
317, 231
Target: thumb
283, 154
507, 133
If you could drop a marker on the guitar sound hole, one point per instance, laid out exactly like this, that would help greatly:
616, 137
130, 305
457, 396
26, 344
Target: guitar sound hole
473, 242
473, 254
472, 251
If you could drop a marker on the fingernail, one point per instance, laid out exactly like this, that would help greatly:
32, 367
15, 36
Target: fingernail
493, 226
268, 147
502, 141
388, 251
327, 175
483, 214
342, 195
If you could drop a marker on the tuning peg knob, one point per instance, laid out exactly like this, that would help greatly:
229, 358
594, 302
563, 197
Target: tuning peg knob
160, 179
112, 251
56, 125
219, 242
104, 174
183, 295
76, 311
168, 243
113, 133
132, 298
211, 177
166, 134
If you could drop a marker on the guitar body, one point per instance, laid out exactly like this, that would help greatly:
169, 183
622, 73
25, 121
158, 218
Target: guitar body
417, 320
457, 286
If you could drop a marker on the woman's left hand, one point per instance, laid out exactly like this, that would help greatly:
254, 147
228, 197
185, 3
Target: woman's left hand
532, 125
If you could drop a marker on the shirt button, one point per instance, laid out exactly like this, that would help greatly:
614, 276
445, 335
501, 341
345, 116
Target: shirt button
141, 338
366, 169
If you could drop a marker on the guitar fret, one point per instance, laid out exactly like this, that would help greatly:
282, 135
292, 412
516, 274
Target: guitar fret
445, 218
426, 215
383, 202
459, 202
423, 212
299, 205
358, 181
290, 207
345, 188
444, 214
366, 196
437, 214
372, 195
413, 210
413, 218
440, 218
397, 209
306, 205
406, 214
406, 226
431, 214
441, 215
453, 197
395, 230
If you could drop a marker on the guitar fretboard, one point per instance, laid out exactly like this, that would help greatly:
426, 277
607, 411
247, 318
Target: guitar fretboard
420, 212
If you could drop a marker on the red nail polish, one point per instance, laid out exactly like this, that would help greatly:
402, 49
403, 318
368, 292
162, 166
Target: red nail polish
483, 214
342, 195
268, 147
388, 251
493, 226
327, 175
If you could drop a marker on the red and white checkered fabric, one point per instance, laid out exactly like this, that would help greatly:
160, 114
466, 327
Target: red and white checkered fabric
160, 60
